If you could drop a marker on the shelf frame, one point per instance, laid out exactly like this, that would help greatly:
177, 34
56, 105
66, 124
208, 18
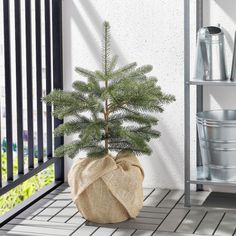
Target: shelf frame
198, 181
212, 182
199, 92
211, 83
187, 102
201, 179
199, 97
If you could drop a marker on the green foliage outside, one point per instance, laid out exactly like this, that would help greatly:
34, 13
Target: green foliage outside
26, 189
121, 103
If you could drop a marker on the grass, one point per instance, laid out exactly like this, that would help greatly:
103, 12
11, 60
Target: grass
26, 189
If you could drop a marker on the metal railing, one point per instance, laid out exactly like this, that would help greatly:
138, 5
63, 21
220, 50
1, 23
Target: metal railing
52, 29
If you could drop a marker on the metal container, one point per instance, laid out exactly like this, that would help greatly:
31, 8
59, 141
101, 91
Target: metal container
210, 55
217, 138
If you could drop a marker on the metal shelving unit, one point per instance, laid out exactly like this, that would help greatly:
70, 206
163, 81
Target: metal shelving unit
199, 180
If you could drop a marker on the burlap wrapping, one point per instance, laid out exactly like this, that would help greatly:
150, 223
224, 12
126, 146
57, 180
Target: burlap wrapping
107, 190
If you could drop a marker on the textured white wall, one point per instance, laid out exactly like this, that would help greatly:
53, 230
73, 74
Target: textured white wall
149, 32
222, 12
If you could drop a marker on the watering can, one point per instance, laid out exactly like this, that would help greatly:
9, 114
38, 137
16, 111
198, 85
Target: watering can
210, 55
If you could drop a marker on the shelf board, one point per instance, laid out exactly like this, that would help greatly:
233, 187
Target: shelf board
201, 180
212, 83
212, 182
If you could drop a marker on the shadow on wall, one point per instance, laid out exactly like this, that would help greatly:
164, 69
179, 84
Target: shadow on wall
228, 7
72, 14
88, 37
214, 96
166, 148
215, 99
97, 22
206, 14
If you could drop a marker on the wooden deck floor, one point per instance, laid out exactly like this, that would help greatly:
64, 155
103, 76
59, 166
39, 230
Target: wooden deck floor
163, 214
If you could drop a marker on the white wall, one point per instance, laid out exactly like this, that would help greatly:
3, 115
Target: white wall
149, 32
222, 12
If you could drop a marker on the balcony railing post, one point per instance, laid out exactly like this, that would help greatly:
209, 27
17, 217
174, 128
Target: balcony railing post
48, 74
7, 57
28, 40
39, 79
57, 75
20, 147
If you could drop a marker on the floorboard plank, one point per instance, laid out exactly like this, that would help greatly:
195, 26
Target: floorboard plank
60, 196
103, 231
40, 227
76, 219
173, 220
171, 199
147, 192
143, 233
123, 232
52, 210
145, 220
191, 222
209, 223
155, 209
65, 214
127, 225
174, 234
155, 197
35, 209
18, 233
155, 215
227, 225
84, 230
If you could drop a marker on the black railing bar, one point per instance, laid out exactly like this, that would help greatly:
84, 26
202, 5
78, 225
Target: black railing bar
20, 147
7, 57
28, 202
29, 77
48, 73
57, 74
28, 173
39, 79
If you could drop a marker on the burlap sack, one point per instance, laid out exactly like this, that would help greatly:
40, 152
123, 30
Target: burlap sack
107, 190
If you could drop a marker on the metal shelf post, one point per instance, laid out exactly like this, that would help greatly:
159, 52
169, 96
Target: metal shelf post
199, 95
187, 101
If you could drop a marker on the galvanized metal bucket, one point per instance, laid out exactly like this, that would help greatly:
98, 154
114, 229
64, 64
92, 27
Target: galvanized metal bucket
217, 138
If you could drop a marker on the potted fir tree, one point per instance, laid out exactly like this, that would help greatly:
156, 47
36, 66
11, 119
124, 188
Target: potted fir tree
111, 112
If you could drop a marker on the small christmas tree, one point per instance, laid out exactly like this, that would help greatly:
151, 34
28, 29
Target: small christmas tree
119, 103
